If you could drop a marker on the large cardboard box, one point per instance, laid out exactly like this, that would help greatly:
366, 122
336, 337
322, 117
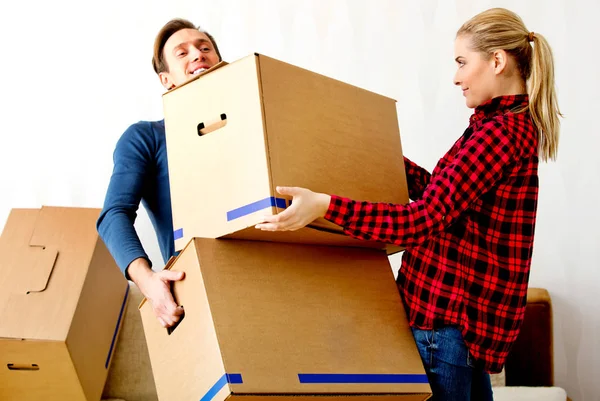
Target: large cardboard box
61, 302
275, 321
240, 130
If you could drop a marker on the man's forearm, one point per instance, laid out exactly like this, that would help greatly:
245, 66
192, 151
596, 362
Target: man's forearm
138, 270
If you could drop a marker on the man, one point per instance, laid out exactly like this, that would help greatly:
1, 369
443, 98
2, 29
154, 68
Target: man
140, 172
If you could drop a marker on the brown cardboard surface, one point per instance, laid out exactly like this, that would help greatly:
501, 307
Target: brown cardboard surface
91, 341
274, 312
61, 295
192, 341
223, 170
283, 125
55, 380
49, 311
332, 397
327, 135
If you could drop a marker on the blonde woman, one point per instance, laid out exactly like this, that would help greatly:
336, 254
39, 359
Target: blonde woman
469, 231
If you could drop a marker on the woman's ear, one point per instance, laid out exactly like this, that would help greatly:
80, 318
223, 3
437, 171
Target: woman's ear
499, 58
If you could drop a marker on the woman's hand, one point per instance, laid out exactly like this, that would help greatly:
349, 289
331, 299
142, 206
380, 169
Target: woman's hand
306, 207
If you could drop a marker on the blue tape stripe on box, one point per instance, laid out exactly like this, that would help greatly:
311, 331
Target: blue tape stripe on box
255, 207
112, 344
233, 378
177, 234
332, 378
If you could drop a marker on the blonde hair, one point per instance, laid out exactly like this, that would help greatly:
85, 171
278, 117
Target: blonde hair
501, 29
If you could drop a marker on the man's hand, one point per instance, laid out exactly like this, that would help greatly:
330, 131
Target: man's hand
307, 206
156, 287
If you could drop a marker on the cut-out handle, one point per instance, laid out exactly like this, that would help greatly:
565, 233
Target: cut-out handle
171, 329
42, 269
16, 366
206, 127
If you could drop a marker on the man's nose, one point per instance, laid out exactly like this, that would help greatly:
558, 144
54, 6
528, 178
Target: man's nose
197, 54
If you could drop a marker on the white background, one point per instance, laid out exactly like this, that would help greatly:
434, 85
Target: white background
76, 74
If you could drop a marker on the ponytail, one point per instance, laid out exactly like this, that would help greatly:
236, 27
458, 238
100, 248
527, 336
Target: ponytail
501, 29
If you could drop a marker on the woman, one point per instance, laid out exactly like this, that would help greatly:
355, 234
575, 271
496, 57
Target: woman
469, 231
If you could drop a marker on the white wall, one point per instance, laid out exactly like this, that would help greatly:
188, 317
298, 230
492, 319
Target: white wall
75, 74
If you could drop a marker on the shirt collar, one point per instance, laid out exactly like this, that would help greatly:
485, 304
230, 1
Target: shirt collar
498, 106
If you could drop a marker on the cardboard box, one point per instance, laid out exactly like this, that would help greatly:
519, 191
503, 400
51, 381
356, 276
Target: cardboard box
238, 131
61, 302
286, 321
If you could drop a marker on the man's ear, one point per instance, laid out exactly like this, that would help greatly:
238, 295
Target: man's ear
500, 59
165, 80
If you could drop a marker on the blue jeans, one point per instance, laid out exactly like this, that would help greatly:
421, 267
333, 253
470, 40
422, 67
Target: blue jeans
451, 370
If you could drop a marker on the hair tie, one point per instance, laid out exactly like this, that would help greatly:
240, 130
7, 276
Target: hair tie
530, 36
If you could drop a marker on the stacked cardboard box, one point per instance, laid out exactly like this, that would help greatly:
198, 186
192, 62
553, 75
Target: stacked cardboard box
62, 298
305, 313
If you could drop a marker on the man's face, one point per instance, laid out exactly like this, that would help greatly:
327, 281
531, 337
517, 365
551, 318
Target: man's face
187, 52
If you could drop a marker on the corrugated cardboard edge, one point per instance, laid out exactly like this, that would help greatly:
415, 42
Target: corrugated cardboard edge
272, 189
221, 392
74, 326
325, 76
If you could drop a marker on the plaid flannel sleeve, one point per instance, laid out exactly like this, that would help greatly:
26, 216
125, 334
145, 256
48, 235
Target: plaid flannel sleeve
417, 179
477, 167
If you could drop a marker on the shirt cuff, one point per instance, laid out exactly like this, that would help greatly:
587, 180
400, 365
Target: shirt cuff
339, 210
128, 259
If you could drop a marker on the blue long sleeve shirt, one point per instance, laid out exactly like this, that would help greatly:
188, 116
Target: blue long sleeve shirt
140, 174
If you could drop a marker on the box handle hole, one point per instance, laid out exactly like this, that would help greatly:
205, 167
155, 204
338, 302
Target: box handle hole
16, 366
206, 127
172, 328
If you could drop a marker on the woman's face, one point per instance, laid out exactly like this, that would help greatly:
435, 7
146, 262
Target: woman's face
476, 74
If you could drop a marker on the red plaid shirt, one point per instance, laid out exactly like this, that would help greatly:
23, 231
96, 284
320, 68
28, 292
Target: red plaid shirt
468, 232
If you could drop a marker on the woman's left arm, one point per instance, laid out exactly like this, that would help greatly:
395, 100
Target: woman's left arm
477, 167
